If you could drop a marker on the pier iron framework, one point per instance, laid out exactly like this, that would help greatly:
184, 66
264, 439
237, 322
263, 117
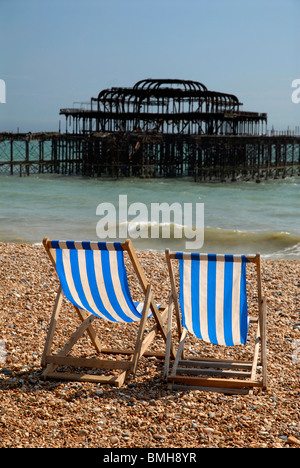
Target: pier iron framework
157, 128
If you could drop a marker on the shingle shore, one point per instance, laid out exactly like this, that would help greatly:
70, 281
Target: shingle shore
142, 413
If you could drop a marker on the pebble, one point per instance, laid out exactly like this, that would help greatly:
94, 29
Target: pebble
293, 440
114, 440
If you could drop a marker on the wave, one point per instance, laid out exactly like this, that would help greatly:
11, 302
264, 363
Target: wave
149, 235
278, 239
269, 244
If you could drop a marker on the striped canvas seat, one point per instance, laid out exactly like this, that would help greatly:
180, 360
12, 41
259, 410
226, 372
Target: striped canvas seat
212, 306
93, 277
213, 297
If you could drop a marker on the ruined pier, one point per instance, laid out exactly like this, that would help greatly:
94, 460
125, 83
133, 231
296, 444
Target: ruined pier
157, 128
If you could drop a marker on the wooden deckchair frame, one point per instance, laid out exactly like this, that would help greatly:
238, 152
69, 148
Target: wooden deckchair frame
125, 367
218, 375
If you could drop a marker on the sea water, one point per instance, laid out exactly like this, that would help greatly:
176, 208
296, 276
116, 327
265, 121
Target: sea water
239, 217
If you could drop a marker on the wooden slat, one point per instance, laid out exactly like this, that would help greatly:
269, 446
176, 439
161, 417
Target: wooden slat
214, 382
216, 364
85, 362
221, 372
228, 391
93, 245
158, 355
111, 380
220, 258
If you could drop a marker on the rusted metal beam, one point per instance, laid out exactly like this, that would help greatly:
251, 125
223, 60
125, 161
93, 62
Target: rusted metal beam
165, 106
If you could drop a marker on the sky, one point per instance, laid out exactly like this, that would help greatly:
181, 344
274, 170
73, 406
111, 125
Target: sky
56, 53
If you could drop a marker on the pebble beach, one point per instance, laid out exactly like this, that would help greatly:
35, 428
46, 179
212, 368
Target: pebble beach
143, 413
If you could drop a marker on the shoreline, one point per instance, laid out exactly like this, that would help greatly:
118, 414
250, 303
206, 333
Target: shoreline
143, 413
275, 256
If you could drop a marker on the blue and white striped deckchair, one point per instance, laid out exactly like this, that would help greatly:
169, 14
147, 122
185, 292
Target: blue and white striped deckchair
212, 306
93, 278
213, 297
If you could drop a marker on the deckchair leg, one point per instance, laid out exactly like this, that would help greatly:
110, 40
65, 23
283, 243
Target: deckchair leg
179, 351
52, 326
255, 355
138, 347
262, 307
174, 292
261, 343
264, 344
169, 338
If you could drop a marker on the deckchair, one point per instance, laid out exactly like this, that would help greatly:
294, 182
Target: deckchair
93, 278
212, 306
